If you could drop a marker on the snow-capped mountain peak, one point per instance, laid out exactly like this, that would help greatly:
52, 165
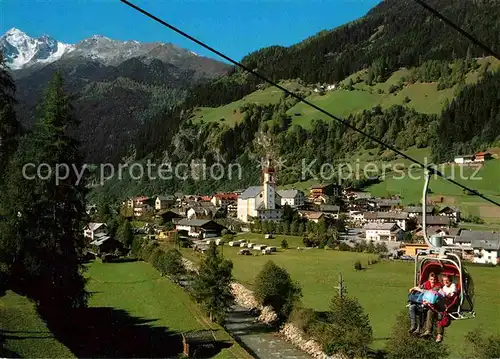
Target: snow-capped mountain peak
20, 50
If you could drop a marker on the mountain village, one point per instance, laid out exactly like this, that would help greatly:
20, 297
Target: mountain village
361, 217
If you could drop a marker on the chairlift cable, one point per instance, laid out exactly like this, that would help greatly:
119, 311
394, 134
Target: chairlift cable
457, 28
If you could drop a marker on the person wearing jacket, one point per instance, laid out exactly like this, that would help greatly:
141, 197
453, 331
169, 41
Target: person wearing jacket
430, 284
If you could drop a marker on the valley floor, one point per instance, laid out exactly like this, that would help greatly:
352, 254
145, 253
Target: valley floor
381, 288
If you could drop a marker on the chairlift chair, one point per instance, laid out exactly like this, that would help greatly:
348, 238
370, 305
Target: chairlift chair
443, 260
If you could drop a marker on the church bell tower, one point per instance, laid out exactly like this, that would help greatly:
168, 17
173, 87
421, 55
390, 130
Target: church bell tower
269, 179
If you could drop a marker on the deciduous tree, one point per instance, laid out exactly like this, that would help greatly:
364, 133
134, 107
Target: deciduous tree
275, 287
125, 234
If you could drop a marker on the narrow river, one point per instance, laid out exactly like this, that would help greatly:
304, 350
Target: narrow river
258, 339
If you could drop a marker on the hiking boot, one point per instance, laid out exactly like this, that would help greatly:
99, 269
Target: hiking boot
439, 338
412, 329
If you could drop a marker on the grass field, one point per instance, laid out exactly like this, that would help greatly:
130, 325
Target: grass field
133, 313
230, 112
24, 334
425, 98
381, 288
410, 188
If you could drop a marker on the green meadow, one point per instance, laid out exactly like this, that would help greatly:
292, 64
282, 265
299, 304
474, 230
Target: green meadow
381, 288
133, 312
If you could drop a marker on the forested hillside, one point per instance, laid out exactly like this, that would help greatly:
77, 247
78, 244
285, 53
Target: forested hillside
472, 121
114, 102
394, 34
271, 127
399, 73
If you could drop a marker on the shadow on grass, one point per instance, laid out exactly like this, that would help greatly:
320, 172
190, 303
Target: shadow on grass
4, 352
113, 333
124, 260
377, 354
22, 335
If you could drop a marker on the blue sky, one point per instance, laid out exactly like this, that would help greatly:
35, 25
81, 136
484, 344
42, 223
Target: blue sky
235, 27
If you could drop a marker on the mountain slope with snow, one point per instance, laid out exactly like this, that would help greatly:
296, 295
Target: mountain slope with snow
117, 86
21, 51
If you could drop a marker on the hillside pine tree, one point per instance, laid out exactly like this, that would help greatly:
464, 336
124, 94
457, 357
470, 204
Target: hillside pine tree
9, 126
125, 234
346, 329
43, 231
10, 130
212, 286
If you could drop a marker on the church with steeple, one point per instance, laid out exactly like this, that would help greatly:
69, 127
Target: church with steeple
263, 201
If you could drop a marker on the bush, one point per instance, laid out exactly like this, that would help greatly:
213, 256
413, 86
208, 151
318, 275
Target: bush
147, 250
381, 248
185, 242
304, 319
474, 219
357, 265
393, 88
136, 246
480, 346
168, 263
155, 254
284, 244
403, 345
275, 287
332, 242
344, 247
228, 237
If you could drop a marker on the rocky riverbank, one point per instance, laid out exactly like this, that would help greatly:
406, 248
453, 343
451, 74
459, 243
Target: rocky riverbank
245, 299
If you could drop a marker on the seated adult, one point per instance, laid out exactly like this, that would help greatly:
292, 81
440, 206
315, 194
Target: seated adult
448, 291
430, 284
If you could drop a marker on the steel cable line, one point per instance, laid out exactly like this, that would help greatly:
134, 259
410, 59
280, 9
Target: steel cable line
431, 169
457, 28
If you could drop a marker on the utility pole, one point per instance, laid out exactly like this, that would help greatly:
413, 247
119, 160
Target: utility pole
341, 287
